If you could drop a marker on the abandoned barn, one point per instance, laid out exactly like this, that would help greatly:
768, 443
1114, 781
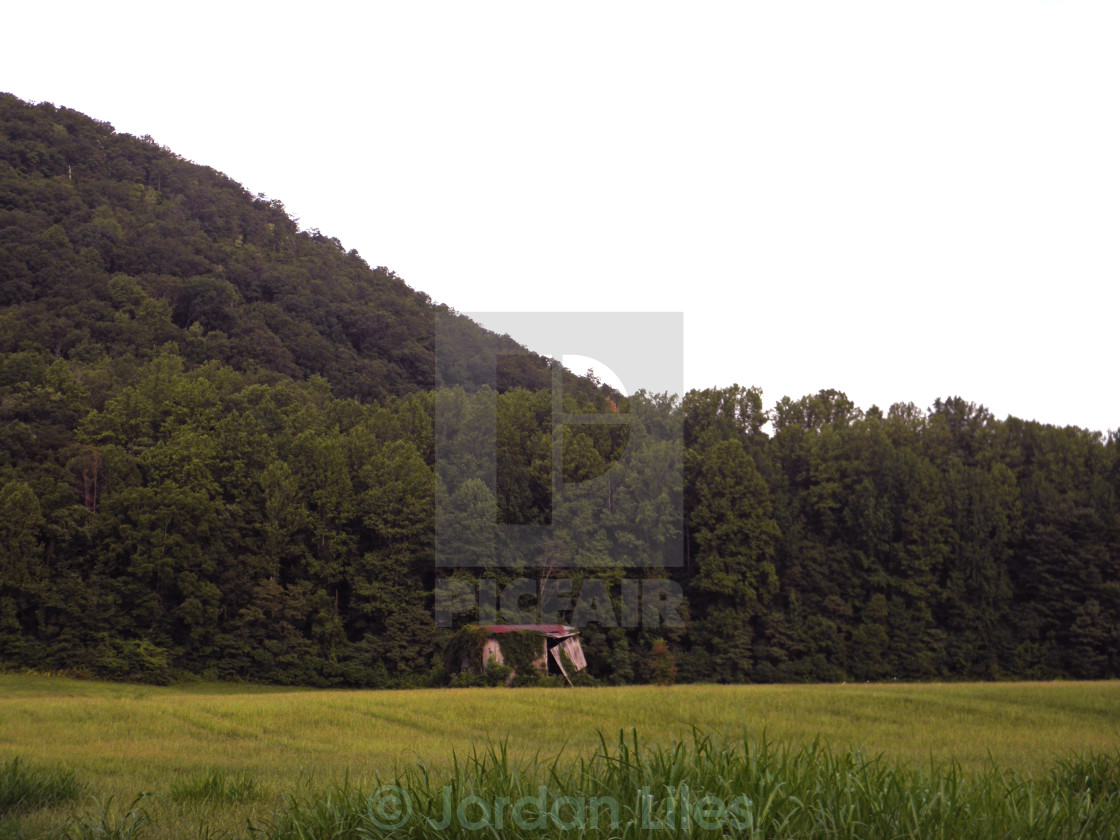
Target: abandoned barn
550, 649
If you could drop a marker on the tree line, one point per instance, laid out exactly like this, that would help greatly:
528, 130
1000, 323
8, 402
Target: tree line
204, 523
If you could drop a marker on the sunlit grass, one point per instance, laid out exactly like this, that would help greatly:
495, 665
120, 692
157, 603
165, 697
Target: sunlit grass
280, 735
123, 740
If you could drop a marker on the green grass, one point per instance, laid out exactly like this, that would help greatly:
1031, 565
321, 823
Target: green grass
105, 823
712, 788
216, 787
219, 754
24, 788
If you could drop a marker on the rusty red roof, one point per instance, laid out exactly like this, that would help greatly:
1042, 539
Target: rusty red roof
547, 629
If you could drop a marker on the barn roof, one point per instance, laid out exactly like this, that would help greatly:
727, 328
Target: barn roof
553, 630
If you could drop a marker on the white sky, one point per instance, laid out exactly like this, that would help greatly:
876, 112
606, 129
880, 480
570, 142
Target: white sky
898, 200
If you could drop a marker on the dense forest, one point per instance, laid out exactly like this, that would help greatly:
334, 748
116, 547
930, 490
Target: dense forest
220, 443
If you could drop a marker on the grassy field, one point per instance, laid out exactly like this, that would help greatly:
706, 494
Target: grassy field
180, 742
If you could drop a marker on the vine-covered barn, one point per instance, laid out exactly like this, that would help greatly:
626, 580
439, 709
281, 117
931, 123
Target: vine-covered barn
549, 649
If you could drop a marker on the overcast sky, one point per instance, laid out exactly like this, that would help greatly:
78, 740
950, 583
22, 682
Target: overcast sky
901, 201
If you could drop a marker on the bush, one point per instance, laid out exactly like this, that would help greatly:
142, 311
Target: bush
582, 679
466, 679
136, 660
496, 673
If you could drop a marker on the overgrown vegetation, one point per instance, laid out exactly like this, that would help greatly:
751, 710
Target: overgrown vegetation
520, 650
464, 647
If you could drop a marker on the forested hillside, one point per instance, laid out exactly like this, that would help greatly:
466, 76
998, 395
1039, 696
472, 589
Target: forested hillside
218, 457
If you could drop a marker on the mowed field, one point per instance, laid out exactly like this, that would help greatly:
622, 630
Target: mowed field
139, 736
122, 740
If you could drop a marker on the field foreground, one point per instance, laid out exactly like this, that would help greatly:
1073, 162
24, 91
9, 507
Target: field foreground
217, 755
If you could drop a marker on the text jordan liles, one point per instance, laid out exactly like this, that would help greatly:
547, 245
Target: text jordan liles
678, 810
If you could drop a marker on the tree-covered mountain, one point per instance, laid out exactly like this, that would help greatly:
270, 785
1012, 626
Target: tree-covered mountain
113, 246
220, 454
